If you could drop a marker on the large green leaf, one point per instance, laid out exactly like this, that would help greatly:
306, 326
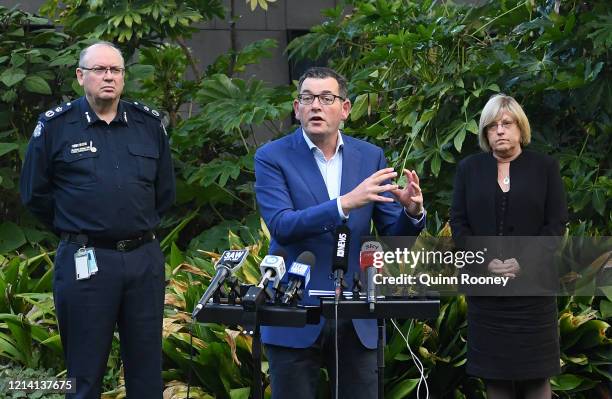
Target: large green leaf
360, 106
11, 77
599, 201
402, 389
607, 291
7, 147
176, 256
605, 306
11, 237
566, 382
21, 332
8, 349
240, 393
36, 84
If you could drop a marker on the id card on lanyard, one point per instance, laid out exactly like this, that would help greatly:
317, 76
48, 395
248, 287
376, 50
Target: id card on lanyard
85, 263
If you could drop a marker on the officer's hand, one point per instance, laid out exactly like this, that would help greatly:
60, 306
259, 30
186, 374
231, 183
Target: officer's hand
369, 190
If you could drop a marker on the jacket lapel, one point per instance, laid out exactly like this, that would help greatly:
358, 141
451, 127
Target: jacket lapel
351, 162
307, 168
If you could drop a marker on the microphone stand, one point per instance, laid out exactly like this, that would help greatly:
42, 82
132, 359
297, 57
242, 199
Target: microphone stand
380, 355
419, 308
338, 283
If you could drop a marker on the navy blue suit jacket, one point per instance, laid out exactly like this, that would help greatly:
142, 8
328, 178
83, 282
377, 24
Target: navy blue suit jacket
296, 207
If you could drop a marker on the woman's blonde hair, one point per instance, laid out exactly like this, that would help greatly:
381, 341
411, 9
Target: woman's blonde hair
492, 111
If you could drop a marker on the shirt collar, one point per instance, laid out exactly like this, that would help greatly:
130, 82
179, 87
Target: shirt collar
312, 146
122, 115
89, 116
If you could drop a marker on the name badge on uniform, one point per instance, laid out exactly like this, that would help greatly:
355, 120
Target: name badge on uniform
85, 263
83, 147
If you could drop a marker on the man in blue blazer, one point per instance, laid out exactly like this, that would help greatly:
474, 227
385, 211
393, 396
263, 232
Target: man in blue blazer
307, 184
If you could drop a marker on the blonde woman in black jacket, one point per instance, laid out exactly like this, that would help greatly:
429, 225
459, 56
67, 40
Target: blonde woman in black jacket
513, 342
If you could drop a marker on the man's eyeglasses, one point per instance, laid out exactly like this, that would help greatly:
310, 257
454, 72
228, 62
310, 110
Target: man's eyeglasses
100, 71
492, 127
325, 99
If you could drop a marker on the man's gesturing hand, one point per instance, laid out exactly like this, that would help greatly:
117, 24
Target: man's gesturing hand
410, 196
369, 190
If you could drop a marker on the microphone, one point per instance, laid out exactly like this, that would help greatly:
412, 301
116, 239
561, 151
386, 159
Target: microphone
342, 238
272, 268
366, 263
299, 276
229, 263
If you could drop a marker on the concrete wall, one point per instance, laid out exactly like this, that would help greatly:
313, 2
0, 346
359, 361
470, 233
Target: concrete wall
213, 38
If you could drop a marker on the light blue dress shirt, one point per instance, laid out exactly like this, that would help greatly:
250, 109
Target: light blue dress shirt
331, 171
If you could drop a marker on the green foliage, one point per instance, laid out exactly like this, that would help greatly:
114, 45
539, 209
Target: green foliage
134, 24
586, 350
160, 78
213, 150
261, 3
222, 362
33, 77
421, 73
27, 313
11, 372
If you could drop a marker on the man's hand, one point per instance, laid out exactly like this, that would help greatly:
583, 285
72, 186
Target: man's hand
369, 190
410, 196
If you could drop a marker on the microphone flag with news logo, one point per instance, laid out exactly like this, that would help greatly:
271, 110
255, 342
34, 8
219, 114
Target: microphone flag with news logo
366, 264
299, 276
342, 240
228, 264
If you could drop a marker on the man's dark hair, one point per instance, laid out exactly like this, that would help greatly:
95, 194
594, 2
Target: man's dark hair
322, 73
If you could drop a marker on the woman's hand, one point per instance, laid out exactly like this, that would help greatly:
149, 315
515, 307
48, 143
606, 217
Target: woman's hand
508, 268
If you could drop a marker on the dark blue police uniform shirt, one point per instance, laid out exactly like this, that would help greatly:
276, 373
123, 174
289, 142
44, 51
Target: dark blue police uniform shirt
82, 175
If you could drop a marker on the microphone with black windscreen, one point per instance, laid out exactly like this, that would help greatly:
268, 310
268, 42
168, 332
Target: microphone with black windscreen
342, 238
299, 277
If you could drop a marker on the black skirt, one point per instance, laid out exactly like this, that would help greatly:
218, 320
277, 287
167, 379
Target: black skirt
513, 338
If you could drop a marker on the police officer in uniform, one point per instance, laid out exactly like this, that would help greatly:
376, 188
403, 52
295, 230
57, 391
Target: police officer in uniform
98, 172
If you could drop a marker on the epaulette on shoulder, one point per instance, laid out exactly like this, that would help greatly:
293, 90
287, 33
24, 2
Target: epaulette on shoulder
57, 111
146, 109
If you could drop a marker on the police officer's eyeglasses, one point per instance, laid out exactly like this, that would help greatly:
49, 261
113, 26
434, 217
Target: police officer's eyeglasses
325, 99
99, 71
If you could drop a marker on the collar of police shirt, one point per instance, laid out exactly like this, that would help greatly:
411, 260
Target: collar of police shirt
88, 116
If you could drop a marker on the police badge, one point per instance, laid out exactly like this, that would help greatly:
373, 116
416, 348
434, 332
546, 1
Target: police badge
37, 129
